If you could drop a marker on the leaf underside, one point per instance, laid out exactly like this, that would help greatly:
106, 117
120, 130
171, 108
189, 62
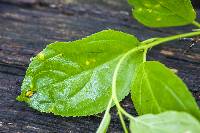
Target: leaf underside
74, 78
167, 122
157, 89
163, 13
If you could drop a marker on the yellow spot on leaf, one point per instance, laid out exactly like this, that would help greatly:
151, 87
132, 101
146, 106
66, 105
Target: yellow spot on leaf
87, 62
158, 19
140, 9
29, 93
41, 56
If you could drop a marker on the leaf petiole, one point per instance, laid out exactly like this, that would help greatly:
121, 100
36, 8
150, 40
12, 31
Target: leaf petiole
145, 55
196, 24
106, 119
122, 121
149, 40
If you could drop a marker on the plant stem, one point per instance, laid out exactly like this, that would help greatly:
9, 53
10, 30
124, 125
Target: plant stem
196, 24
114, 79
170, 38
145, 55
122, 121
99, 130
149, 40
141, 47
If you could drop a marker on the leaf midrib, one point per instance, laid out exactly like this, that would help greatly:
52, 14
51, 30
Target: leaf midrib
149, 87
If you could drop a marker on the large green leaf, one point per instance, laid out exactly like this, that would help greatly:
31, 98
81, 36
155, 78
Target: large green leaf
167, 122
156, 89
163, 13
74, 78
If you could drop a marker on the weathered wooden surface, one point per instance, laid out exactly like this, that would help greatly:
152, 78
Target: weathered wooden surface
27, 26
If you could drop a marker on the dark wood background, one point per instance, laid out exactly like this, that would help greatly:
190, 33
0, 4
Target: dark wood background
27, 26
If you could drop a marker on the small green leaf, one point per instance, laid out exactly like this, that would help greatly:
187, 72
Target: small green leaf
157, 89
163, 13
167, 122
74, 78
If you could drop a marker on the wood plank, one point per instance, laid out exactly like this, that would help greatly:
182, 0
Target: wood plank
26, 28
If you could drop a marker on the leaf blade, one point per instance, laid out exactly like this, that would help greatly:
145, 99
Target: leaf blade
166, 122
163, 13
161, 90
74, 78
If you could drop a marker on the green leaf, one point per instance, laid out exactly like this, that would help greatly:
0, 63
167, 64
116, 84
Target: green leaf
167, 122
74, 78
163, 13
157, 89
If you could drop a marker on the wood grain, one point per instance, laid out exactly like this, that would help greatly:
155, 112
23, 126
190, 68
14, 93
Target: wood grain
27, 26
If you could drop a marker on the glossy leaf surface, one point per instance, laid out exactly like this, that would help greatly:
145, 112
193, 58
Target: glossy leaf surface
157, 89
163, 13
74, 78
167, 122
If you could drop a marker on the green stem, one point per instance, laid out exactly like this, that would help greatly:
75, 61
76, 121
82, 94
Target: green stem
122, 121
167, 39
141, 47
150, 40
145, 55
196, 24
99, 130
